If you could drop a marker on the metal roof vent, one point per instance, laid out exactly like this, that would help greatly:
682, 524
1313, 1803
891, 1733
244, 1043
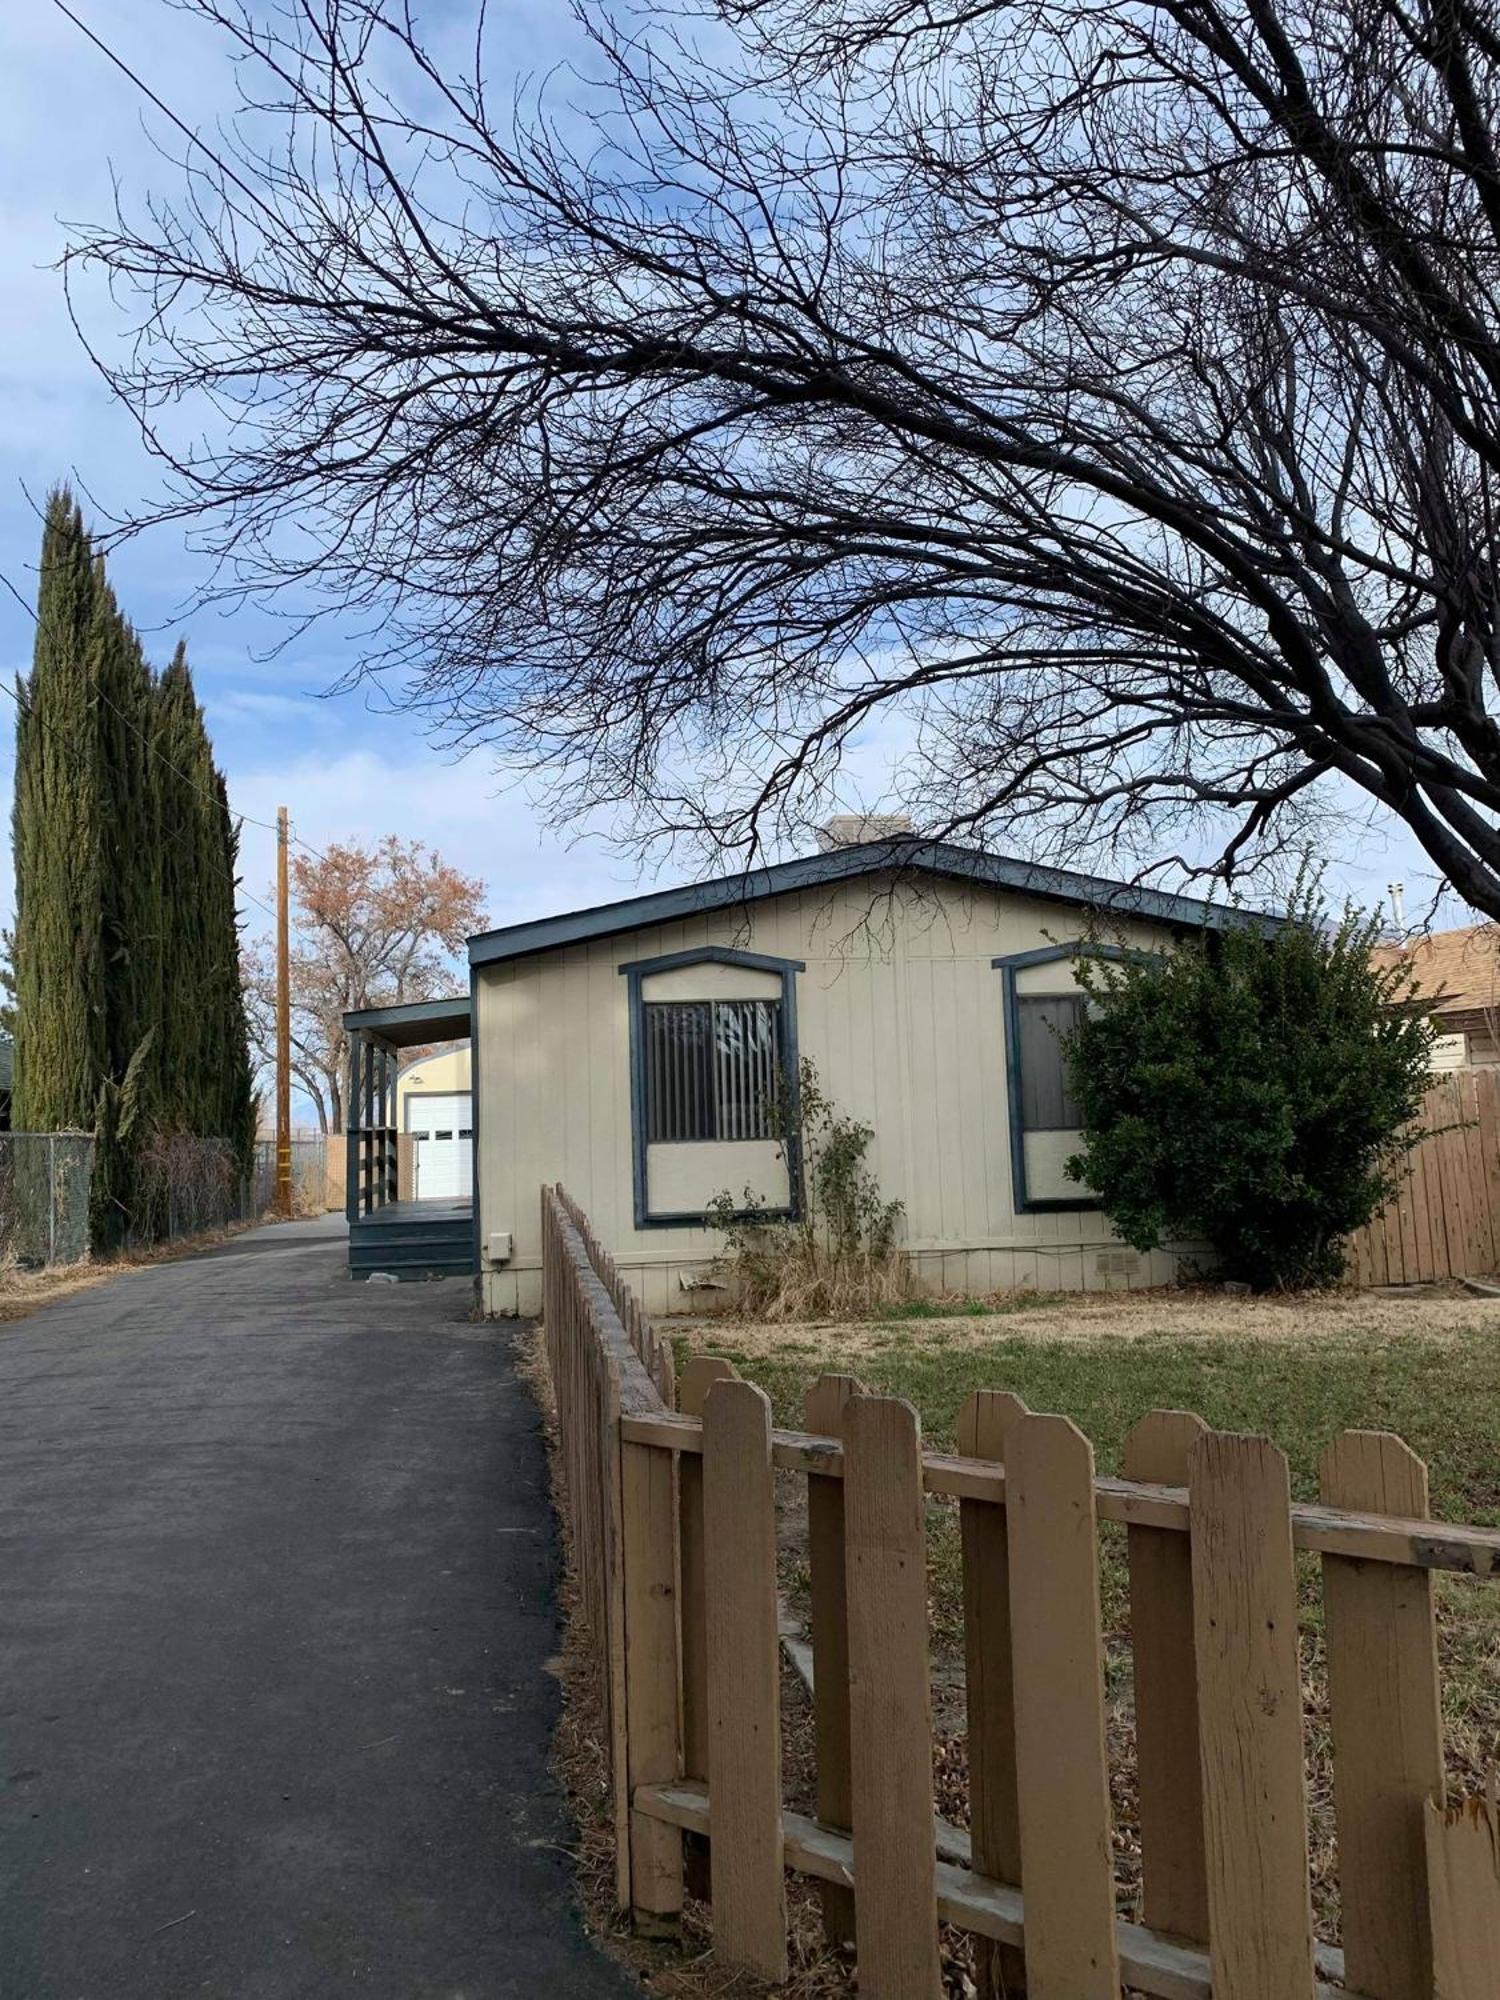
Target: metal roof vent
853, 829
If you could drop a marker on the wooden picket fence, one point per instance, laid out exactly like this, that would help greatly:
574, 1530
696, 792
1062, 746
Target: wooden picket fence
675, 1533
1445, 1220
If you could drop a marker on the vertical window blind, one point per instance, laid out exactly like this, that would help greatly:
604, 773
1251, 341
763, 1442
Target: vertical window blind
1045, 1021
713, 1069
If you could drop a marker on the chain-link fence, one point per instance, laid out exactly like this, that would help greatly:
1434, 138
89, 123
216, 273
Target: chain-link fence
310, 1189
185, 1187
44, 1196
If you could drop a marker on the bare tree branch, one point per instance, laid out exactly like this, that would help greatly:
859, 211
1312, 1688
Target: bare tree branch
1109, 389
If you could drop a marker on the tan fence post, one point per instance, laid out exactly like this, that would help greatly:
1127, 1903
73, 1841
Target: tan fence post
890, 1701
984, 1422
1387, 1724
698, 1377
649, 1558
1067, 1865
1463, 1867
1250, 1716
1173, 1864
823, 1414
744, 1680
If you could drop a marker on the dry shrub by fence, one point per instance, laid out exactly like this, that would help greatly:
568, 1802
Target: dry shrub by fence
674, 1526
1445, 1221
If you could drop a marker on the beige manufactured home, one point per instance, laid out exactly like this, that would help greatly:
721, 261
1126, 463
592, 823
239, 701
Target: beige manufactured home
636, 1053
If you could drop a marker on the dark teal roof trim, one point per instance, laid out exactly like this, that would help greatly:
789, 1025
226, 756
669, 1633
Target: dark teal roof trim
418, 1021
815, 871
713, 954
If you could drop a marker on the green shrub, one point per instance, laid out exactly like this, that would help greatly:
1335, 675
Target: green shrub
1253, 1092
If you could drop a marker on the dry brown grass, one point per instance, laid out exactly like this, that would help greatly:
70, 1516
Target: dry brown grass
23, 1291
1198, 1313
800, 1283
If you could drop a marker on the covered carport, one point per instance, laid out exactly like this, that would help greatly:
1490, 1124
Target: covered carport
389, 1235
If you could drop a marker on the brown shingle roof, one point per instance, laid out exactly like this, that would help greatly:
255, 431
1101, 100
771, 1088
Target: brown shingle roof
1459, 971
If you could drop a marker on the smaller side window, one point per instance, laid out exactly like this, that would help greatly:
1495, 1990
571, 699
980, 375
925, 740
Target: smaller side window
1045, 1021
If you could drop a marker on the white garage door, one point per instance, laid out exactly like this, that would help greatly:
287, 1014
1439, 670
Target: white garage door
442, 1128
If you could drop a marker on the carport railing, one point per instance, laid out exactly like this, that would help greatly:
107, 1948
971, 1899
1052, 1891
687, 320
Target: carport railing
370, 1125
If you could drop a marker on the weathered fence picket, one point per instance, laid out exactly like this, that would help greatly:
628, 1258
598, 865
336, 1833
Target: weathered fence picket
890, 1704
744, 1692
1057, 1646
698, 1377
1250, 1719
984, 1422
1388, 1742
1174, 1881
828, 1624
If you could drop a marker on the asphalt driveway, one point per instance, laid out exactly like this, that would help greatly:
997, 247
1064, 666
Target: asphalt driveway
276, 1608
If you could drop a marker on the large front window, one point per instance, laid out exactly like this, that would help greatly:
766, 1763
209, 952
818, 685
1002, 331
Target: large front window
713, 1070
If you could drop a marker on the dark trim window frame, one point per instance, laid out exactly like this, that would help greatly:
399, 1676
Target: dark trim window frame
1038, 1103
646, 1118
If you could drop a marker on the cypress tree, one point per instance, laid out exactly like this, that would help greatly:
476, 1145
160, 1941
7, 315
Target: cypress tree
183, 1048
130, 906
129, 924
234, 1109
206, 1061
59, 962
131, 1019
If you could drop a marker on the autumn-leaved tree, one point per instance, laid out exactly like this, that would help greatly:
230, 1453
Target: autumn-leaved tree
372, 927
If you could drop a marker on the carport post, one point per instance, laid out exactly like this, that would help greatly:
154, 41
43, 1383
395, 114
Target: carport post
351, 1128
387, 1120
369, 1129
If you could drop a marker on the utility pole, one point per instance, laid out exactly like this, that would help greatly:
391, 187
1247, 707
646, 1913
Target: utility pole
283, 1028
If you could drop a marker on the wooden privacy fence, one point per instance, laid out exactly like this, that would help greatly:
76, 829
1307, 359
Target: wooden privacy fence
1445, 1222
676, 1537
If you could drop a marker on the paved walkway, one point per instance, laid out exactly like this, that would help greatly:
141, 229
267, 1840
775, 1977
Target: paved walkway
276, 1603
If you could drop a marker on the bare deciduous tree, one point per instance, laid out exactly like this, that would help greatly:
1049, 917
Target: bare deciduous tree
1112, 386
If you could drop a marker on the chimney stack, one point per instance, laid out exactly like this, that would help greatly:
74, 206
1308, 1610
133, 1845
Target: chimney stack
854, 829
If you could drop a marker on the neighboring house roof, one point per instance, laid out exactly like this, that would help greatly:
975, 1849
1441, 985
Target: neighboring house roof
899, 856
1457, 972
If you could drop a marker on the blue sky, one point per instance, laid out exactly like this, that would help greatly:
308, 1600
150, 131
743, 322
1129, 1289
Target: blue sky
68, 123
